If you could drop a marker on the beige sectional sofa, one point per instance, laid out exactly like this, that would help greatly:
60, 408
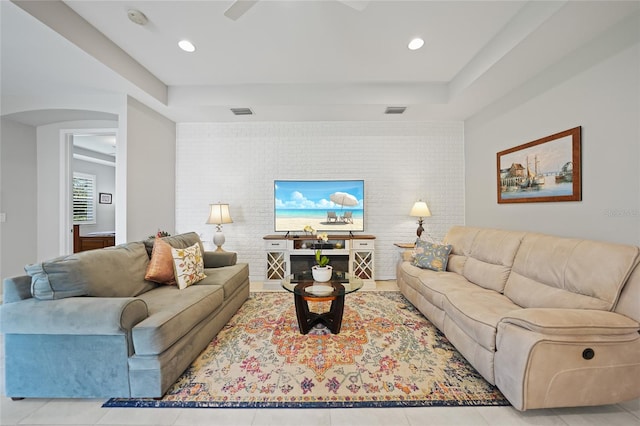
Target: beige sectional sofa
551, 321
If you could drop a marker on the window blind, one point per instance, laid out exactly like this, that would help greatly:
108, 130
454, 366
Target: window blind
84, 198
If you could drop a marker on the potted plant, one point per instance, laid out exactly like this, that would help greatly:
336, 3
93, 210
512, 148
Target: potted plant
321, 271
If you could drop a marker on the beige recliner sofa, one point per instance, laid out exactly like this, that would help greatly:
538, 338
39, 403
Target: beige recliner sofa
551, 321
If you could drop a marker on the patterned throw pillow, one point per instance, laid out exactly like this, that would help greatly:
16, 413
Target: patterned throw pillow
160, 268
431, 255
188, 265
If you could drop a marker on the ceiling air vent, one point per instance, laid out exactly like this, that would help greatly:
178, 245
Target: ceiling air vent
395, 110
242, 111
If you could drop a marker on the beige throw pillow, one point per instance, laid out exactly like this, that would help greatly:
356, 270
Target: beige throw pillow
188, 265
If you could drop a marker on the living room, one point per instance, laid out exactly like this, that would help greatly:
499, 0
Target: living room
451, 164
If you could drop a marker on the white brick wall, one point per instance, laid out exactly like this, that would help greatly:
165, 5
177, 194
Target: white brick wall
399, 162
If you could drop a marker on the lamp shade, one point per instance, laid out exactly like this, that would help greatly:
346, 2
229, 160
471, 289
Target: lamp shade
420, 209
219, 214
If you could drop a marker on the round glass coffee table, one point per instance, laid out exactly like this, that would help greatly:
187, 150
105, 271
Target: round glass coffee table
306, 290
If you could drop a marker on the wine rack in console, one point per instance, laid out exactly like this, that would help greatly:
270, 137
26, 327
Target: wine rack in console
289, 254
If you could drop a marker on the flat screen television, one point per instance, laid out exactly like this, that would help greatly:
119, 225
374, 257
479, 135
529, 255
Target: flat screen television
325, 205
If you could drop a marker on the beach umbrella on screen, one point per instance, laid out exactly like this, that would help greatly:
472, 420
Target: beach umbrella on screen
343, 199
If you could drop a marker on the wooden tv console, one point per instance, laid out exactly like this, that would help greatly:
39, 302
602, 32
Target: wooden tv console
286, 254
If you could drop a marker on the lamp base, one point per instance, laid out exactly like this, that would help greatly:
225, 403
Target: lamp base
218, 240
420, 228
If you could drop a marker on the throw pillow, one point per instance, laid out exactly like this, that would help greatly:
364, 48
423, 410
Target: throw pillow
431, 255
188, 265
160, 268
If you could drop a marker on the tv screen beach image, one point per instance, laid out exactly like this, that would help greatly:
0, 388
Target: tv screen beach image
329, 206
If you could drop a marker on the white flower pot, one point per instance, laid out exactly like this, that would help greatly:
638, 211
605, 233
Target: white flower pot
321, 274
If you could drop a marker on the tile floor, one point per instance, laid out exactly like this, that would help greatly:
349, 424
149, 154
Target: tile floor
90, 412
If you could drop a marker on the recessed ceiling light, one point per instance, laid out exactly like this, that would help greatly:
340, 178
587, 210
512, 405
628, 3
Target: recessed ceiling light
187, 46
416, 44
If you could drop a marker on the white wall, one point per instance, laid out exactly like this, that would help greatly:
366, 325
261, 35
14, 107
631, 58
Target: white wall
49, 155
597, 88
147, 148
399, 162
18, 235
150, 173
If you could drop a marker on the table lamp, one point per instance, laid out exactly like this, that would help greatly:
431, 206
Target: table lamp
420, 210
219, 214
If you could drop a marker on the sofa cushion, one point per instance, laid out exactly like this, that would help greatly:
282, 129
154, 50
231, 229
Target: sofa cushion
160, 268
556, 272
431, 255
110, 272
172, 313
433, 285
461, 239
477, 312
491, 257
188, 265
230, 278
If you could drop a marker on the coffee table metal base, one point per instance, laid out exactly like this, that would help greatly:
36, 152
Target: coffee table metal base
307, 319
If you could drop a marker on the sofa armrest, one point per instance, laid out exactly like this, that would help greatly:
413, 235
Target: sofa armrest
15, 289
407, 256
566, 357
217, 259
580, 322
73, 316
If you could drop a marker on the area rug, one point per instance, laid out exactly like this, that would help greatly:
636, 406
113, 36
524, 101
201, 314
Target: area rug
386, 355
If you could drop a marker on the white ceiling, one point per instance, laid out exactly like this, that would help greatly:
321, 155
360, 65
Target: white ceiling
295, 60
103, 143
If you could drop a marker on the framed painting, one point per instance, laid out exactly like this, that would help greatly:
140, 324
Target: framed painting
105, 198
543, 170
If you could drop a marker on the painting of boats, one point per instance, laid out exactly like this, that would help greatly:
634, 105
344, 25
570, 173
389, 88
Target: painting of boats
566, 173
546, 169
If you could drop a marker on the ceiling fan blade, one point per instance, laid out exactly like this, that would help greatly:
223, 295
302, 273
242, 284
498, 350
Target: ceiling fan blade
358, 5
239, 8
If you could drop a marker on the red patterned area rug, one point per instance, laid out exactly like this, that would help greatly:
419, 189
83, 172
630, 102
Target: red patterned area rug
386, 355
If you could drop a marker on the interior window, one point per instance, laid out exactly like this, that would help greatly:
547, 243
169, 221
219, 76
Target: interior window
84, 198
